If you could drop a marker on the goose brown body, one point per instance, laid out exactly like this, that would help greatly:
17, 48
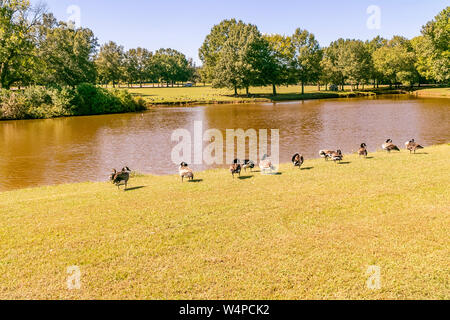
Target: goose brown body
121, 178
412, 146
235, 168
363, 150
185, 172
389, 146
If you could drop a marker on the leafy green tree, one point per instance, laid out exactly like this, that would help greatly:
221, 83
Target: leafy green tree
110, 63
65, 54
18, 22
173, 66
307, 57
396, 61
332, 64
214, 42
355, 60
433, 49
138, 65
236, 66
281, 65
372, 46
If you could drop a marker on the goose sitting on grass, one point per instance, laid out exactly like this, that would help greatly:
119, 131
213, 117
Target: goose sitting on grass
412, 146
363, 150
121, 178
298, 160
235, 168
266, 165
248, 164
389, 146
185, 172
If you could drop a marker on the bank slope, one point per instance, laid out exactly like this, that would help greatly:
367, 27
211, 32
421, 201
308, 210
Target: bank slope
304, 234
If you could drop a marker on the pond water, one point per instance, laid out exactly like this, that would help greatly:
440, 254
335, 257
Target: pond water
66, 150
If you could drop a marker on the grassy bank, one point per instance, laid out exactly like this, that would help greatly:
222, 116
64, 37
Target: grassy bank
209, 95
433, 92
304, 234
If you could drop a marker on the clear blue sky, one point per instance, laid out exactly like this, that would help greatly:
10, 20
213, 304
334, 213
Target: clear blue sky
183, 24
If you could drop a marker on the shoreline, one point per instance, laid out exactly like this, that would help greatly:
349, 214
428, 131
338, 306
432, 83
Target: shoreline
265, 98
206, 171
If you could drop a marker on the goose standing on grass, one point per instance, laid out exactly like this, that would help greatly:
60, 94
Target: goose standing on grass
121, 178
336, 156
363, 150
266, 164
248, 164
236, 168
325, 154
298, 160
185, 172
389, 146
412, 146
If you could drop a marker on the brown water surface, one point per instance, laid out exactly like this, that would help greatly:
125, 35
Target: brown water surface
65, 150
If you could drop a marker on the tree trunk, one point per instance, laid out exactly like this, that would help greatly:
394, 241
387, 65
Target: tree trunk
303, 87
235, 91
274, 89
318, 86
247, 91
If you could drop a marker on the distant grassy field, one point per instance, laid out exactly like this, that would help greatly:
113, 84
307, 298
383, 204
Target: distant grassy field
209, 95
304, 234
434, 92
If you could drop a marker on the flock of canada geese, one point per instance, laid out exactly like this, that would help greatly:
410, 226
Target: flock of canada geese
122, 177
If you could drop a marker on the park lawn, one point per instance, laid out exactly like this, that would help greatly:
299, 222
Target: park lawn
434, 92
304, 234
209, 95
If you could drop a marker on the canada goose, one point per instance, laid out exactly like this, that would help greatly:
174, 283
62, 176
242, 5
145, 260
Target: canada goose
363, 150
266, 164
248, 164
389, 146
298, 160
325, 154
412, 146
235, 168
121, 178
336, 156
185, 172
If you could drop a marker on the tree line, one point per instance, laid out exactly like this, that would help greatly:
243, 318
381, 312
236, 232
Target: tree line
36, 49
237, 55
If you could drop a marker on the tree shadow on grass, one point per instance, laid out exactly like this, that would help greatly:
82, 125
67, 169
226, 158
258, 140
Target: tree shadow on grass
134, 188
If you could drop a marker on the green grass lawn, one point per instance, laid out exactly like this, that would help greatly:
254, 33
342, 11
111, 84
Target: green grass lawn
209, 95
434, 92
304, 234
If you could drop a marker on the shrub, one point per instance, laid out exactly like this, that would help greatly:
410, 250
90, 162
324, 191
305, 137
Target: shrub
12, 105
86, 99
